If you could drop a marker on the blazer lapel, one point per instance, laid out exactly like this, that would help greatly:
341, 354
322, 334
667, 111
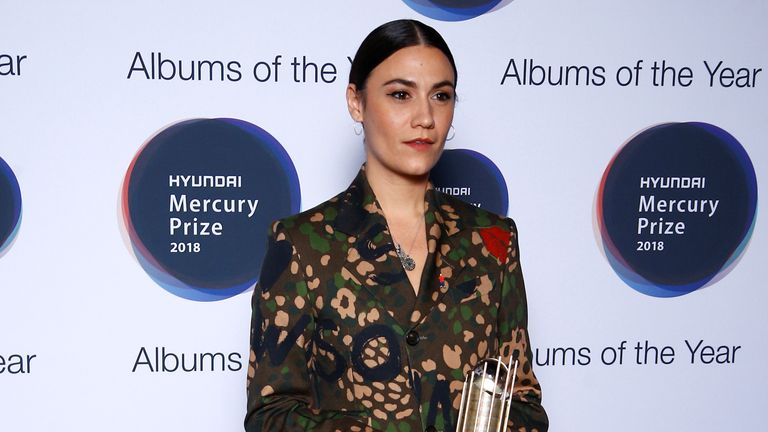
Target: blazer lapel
446, 261
371, 261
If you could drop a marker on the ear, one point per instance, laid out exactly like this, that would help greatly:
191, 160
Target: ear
355, 103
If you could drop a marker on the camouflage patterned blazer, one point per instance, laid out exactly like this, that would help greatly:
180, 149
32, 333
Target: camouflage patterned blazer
340, 341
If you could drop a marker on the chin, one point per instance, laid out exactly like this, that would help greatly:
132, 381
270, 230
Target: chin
418, 169
406, 165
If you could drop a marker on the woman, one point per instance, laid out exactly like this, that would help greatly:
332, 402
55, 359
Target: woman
372, 306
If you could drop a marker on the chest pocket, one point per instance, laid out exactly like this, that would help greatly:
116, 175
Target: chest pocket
477, 288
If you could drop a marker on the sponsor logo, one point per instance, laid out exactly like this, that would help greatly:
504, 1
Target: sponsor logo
455, 10
471, 177
10, 207
676, 208
197, 201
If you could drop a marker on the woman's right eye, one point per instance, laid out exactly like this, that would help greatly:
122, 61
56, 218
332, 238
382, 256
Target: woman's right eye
399, 94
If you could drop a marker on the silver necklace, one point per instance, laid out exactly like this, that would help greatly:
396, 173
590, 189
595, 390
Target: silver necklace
406, 260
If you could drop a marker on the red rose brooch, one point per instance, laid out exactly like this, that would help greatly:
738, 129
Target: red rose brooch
496, 241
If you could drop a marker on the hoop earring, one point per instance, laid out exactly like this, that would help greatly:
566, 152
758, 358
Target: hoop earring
358, 128
451, 133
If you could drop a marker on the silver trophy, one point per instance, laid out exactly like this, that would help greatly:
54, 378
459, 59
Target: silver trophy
486, 398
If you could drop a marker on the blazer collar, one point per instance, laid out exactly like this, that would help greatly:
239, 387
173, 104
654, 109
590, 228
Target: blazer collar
360, 216
358, 208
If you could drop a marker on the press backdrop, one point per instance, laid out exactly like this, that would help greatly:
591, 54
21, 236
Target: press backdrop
129, 130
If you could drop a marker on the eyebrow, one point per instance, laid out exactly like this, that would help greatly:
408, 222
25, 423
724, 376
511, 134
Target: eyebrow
412, 84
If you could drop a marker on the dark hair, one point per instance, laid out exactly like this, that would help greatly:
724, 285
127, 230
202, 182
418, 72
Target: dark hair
389, 38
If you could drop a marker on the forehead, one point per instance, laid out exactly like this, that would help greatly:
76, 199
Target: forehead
420, 64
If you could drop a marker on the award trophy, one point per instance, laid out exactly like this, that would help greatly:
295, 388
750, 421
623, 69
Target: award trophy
486, 398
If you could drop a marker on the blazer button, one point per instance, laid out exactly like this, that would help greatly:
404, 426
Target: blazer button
412, 337
430, 428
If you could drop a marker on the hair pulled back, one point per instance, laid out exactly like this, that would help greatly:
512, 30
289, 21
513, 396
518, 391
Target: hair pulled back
389, 38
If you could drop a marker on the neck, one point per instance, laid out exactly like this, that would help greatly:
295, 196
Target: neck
399, 196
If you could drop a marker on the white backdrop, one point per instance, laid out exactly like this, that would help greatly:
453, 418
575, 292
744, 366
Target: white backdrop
71, 122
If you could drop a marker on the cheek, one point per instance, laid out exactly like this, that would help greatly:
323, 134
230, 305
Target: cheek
384, 116
446, 115
390, 121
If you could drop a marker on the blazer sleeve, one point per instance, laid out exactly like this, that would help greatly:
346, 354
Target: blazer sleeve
527, 413
280, 390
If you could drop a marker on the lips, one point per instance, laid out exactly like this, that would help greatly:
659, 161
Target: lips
420, 142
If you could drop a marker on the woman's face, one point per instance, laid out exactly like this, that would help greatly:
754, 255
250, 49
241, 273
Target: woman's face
406, 110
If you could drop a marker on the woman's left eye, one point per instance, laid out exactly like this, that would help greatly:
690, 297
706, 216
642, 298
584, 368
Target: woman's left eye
443, 96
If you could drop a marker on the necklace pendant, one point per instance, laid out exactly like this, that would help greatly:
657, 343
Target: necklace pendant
407, 262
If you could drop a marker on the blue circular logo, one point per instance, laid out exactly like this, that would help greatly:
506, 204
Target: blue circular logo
676, 208
471, 177
10, 207
197, 201
454, 10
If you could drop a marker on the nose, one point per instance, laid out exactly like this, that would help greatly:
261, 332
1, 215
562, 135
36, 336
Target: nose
423, 115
